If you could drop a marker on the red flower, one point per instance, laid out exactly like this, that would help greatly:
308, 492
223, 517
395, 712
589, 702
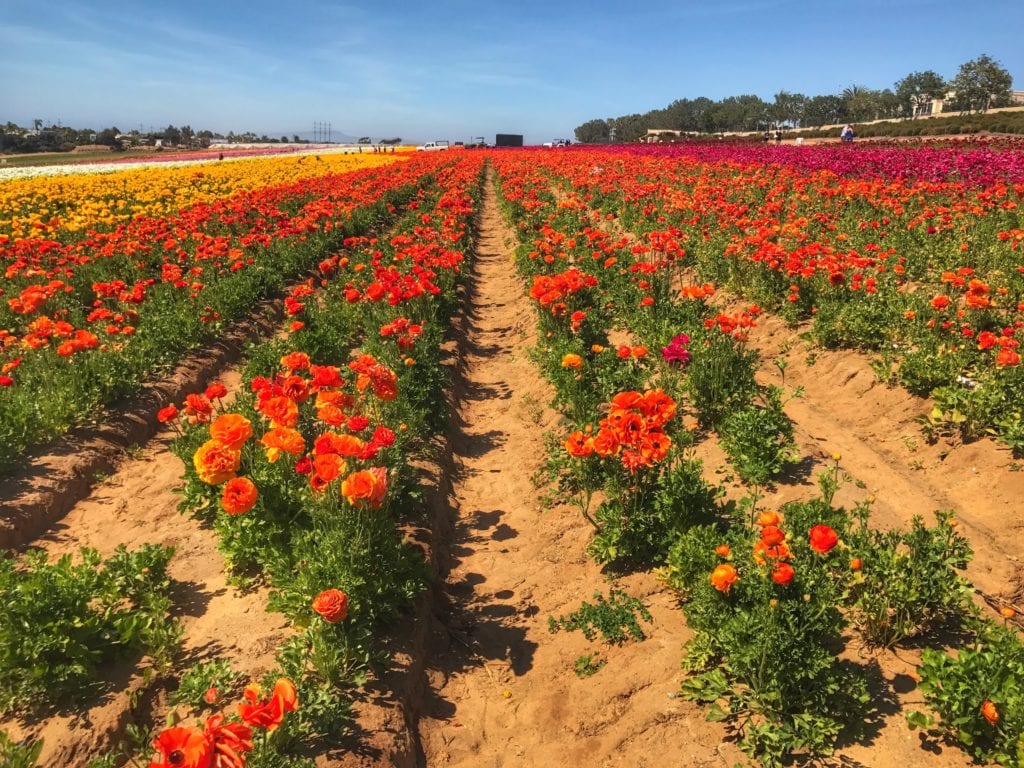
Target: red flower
167, 414
230, 742
782, 574
823, 539
183, 748
268, 714
332, 605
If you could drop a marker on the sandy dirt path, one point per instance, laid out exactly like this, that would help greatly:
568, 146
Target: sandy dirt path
504, 690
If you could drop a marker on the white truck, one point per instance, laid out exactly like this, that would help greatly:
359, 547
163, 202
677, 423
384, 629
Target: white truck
433, 146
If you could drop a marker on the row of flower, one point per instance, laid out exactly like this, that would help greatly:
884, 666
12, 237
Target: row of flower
64, 208
925, 275
88, 320
977, 162
770, 594
305, 476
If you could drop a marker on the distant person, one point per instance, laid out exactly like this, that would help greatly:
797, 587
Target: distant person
847, 134
767, 137
220, 156
778, 136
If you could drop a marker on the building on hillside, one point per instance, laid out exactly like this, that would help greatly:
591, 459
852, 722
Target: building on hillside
935, 106
655, 135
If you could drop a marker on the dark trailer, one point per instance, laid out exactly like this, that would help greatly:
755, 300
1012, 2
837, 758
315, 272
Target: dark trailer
508, 140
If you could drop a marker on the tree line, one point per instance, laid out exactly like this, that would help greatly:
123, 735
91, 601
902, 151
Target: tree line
57, 138
979, 85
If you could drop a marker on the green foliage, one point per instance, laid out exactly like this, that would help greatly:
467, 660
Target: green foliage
616, 618
15, 754
720, 377
588, 664
759, 439
198, 680
990, 670
909, 581
764, 654
59, 622
640, 527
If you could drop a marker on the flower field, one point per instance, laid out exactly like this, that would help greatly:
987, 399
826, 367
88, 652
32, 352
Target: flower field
502, 382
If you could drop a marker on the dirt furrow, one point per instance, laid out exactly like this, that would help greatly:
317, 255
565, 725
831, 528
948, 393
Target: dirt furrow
503, 687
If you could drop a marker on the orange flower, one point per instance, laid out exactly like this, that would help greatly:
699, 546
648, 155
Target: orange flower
1007, 612
332, 605
268, 714
232, 429
282, 411
940, 302
572, 361
239, 495
722, 550
579, 445
1007, 358
768, 518
358, 487
198, 408
215, 462
639, 351
723, 577
283, 439
326, 468
823, 539
343, 445
989, 712
605, 443
295, 361
772, 535
856, 564
778, 552
183, 748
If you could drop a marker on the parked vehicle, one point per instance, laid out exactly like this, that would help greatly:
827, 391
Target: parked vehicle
433, 146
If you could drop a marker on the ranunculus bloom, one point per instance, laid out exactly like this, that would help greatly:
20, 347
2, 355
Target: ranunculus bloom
295, 361
579, 445
167, 414
1007, 358
198, 407
782, 573
572, 361
358, 487
768, 518
268, 714
722, 550
282, 411
772, 535
230, 741
232, 429
215, 462
723, 577
332, 605
239, 495
183, 748
989, 712
216, 391
326, 468
823, 539
282, 439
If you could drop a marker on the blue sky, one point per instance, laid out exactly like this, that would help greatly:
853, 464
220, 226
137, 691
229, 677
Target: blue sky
430, 70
